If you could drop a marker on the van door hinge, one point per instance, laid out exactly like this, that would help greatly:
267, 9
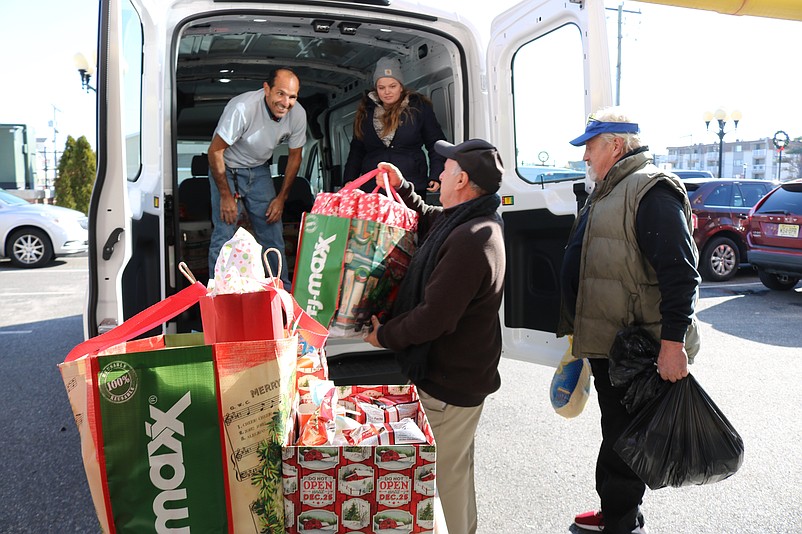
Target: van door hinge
108, 248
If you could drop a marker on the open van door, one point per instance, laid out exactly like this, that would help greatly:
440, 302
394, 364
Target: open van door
124, 212
546, 74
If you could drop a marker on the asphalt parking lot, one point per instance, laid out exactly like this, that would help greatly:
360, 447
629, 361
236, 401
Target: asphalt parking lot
534, 469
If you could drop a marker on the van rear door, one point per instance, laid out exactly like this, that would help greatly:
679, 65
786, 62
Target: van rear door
118, 223
542, 87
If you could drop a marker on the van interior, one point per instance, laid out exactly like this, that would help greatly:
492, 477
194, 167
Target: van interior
217, 54
221, 56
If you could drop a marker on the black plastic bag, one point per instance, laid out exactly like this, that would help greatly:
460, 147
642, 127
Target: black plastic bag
633, 364
681, 438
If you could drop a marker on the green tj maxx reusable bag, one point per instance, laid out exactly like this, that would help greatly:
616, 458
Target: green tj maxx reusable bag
178, 436
348, 269
153, 467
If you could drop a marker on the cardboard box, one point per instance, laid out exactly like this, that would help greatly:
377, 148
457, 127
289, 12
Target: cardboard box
403, 403
382, 489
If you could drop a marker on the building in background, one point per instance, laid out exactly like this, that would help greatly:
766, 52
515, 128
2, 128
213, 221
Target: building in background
17, 157
757, 159
27, 169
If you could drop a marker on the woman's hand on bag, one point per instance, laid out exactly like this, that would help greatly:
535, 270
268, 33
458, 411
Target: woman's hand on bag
434, 186
372, 336
394, 176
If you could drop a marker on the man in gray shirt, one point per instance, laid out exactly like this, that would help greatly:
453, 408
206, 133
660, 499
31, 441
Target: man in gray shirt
252, 125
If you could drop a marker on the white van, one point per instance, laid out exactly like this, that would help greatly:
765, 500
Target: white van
167, 69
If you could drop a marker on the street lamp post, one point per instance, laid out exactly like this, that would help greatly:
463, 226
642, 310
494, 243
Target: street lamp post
86, 70
781, 140
722, 118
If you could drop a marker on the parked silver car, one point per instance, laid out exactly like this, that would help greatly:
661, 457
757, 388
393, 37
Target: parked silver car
32, 235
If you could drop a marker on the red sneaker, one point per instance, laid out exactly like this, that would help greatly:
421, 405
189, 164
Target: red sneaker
593, 521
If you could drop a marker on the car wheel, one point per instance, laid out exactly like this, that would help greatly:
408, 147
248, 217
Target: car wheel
29, 248
778, 282
720, 260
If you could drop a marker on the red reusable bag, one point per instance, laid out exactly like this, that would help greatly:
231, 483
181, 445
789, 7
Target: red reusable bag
352, 202
176, 434
243, 316
257, 315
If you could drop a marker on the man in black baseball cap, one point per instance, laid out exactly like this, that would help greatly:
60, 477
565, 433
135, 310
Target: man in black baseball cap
478, 158
444, 327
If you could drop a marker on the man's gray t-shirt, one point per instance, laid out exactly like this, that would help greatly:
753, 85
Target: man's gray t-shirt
252, 135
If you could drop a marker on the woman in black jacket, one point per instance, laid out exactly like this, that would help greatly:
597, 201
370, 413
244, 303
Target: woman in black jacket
392, 124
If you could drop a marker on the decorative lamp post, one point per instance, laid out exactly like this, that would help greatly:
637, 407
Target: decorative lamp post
86, 70
722, 118
781, 141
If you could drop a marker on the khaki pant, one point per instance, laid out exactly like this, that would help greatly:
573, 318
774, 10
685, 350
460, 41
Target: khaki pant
454, 428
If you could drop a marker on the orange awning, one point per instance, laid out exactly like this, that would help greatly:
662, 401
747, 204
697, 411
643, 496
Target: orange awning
776, 9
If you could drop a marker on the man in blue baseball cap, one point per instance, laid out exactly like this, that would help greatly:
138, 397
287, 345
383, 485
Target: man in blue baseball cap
595, 127
630, 262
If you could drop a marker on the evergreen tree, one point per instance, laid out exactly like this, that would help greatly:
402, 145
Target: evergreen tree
76, 175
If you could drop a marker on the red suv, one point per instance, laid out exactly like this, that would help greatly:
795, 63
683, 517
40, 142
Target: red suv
720, 209
774, 238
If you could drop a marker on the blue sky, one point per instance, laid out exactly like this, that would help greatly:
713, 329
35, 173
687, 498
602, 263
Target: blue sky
677, 64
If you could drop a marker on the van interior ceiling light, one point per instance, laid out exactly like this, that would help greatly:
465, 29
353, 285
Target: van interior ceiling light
322, 26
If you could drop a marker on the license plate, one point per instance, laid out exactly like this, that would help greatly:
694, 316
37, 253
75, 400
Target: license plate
788, 230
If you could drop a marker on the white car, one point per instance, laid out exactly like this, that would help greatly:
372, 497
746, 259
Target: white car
32, 235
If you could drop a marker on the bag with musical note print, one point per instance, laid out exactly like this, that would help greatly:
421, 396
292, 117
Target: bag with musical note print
181, 436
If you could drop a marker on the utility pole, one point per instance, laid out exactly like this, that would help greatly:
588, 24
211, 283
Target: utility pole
621, 12
54, 124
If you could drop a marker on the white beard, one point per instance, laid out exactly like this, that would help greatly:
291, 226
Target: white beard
592, 175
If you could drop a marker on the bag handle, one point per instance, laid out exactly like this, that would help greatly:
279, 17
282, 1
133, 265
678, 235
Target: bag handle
365, 178
141, 322
275, 284
314, 333
391, 190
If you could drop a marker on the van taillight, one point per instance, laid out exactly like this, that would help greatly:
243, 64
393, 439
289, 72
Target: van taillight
695, 221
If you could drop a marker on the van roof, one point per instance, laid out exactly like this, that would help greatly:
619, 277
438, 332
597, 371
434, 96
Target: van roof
225, 54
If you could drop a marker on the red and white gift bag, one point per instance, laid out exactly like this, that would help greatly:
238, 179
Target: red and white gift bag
352, 202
